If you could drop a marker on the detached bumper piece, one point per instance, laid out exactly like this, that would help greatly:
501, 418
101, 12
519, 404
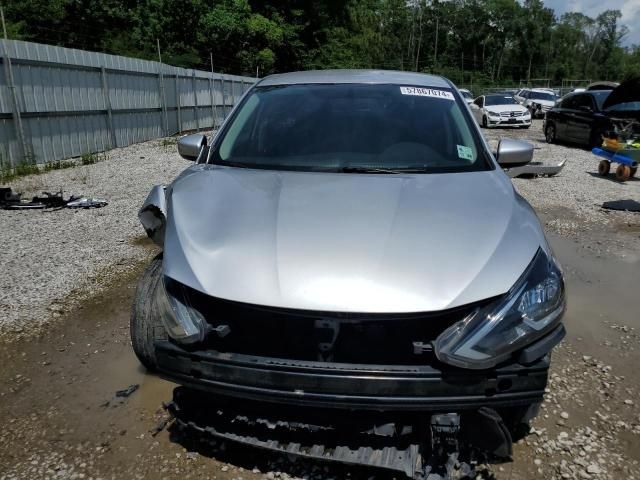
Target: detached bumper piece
435, 448
537, 169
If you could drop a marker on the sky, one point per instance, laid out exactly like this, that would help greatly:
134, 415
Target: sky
630, 13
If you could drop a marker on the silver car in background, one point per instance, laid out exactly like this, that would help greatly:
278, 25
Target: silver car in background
348, 242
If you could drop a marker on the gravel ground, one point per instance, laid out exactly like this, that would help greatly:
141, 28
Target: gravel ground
49, 255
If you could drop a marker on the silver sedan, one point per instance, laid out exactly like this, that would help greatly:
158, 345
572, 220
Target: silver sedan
347, 240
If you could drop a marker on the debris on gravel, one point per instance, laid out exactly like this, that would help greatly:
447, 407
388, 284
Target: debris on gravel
48, 255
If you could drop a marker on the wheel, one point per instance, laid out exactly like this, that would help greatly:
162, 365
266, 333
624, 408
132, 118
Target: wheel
145, 325
518, 419
603, 167
550, 133
484, 121
633, 171
623, 173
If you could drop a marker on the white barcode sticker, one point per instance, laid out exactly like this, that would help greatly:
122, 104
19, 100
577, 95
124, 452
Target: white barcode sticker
426, 92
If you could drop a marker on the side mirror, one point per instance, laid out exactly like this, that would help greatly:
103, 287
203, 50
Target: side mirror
513, 153
190, 146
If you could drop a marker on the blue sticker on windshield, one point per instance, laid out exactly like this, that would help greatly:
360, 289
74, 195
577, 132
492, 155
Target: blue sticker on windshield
465, 152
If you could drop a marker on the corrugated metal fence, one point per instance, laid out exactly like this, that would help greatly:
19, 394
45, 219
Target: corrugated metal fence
71, 102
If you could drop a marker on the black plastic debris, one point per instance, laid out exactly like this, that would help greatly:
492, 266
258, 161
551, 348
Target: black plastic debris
127, 391
10, 200
623, 205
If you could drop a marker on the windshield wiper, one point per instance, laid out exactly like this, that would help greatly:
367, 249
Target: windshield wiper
366, 170
384, 170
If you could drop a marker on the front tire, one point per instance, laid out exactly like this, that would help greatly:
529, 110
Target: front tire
145, 325
485, 124
550, 133
518, 419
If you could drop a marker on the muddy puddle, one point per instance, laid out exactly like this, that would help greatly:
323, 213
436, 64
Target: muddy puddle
62, 419
602, 296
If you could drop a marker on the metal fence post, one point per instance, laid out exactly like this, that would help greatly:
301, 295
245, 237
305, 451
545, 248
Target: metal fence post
15, 111
195, 100
178, 104
107, 104
224, 106
163, 103
213, 109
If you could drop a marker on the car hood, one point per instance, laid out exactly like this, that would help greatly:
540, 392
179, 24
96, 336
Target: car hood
624, 99
348, 242
506, 108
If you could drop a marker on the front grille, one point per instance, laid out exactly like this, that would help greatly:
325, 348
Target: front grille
511, 114
323, 336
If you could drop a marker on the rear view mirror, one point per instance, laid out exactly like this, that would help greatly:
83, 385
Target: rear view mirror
190, 146
513, 153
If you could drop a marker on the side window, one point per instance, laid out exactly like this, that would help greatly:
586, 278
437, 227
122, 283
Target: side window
569, 102
526, 94
582, 101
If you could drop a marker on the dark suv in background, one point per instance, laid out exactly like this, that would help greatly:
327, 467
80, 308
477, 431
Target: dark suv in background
583, 117
578, 118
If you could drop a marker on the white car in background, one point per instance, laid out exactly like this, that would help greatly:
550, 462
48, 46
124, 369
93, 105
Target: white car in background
500, 110
537, 100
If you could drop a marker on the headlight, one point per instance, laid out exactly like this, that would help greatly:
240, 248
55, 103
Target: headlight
493, 114
490, 334
183, 322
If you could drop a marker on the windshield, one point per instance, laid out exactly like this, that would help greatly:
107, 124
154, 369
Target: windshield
490, 100
543, 96
351, 128
466, 94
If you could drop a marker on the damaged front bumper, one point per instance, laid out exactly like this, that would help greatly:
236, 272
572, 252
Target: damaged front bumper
433, 387
435, 447
428, 421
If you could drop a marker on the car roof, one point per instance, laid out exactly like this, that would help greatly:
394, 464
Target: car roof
356, 76
587, 92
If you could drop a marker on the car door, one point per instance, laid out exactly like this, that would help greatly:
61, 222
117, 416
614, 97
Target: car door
580, 122
560, 116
